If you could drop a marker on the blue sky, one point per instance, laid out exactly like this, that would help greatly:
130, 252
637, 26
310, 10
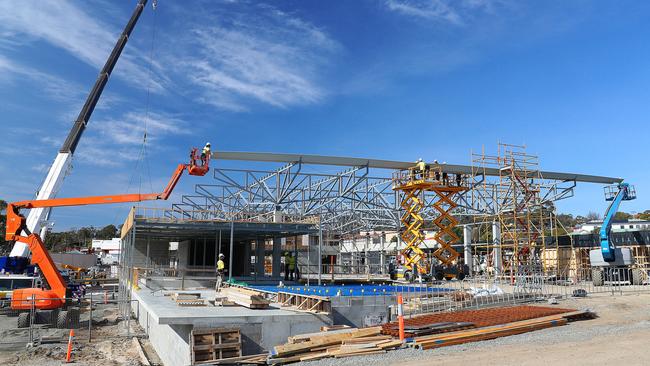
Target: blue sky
384, 79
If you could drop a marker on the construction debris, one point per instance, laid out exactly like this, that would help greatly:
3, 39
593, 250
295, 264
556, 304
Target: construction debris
245, 297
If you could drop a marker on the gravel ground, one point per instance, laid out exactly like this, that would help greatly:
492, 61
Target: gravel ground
619, 334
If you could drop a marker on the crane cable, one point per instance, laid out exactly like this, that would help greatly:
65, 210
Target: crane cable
142, 155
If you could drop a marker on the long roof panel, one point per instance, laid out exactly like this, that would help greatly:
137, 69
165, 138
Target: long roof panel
393, 165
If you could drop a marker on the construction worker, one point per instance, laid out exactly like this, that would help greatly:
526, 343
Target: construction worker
287, 257
421, 165
459, 180
221, 269
292, 267
205, 153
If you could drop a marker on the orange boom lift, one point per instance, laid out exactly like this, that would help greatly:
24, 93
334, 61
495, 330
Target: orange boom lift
54, 297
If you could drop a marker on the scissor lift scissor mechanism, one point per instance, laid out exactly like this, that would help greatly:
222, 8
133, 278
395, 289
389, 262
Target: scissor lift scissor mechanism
414, 183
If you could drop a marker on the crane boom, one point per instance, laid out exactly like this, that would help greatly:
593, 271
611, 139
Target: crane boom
62, 163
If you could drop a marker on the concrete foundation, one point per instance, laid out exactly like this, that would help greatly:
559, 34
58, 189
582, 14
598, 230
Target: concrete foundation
169, 325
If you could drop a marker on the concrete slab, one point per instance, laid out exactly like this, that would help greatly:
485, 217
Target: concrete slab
165, 311
169, 325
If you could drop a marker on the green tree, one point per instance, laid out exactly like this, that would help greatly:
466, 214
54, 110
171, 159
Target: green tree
622, 216
107, 232
645, 215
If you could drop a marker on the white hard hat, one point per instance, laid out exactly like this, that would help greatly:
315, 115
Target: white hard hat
221, 256
207, 144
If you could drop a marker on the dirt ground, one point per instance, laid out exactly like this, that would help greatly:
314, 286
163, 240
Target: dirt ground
111, 343
619, 336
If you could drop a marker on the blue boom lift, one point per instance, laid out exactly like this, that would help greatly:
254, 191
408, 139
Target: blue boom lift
609, 263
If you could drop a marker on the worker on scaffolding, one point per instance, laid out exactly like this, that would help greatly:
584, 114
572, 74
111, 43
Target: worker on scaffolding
221, 270
205, 153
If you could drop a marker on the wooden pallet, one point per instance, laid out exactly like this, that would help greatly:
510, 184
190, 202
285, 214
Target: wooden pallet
316, 304
209, 345
188, 299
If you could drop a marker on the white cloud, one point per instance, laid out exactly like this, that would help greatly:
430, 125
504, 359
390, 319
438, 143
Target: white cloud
55, 87
452, 12
66, 25
255, 54
129, 129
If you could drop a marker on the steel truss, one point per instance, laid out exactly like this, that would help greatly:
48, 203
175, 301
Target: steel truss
355, 199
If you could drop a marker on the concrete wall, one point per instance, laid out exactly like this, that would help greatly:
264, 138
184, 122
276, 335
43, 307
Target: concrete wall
362, 311
171, 342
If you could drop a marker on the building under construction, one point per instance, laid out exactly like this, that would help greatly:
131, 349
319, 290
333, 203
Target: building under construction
496, 223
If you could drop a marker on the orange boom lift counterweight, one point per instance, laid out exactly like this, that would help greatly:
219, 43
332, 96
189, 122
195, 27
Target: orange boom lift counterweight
54, 297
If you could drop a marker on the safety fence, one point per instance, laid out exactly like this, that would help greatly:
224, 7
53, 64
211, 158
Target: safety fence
93, 317
480, 292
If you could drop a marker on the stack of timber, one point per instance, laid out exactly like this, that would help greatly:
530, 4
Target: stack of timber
496, 331
188, 299
345, 342
245, 297
209, 345
434, 328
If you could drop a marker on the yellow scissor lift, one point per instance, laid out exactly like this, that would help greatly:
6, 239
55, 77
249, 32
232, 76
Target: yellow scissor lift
413, 183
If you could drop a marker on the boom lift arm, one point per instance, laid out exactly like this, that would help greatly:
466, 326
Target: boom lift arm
17, 231
625, 193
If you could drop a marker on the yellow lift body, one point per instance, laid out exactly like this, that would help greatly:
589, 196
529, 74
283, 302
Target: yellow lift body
413, 183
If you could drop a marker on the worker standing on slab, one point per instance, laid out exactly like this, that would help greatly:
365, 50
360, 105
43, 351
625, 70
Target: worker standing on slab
286, 265
205, 153
221, 270
292, 267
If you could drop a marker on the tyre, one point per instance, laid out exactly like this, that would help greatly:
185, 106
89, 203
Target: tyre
439, 276
73, 318
597, 276
62, 320
23, 320
408, 276
638, 276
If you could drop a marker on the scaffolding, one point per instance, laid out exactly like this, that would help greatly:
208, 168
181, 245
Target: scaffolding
519, 206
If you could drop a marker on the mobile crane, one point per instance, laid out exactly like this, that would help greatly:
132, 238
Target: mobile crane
608, 256
55, 297
18, 258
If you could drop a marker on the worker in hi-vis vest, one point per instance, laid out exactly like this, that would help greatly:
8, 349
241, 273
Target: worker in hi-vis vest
286, 265
205, 153
292, 267
221, 269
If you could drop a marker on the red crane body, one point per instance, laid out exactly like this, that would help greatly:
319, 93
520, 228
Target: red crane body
54, 297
